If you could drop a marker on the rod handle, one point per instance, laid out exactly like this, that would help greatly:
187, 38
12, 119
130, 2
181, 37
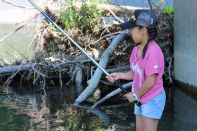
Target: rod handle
137, 103
125, 92
119, 86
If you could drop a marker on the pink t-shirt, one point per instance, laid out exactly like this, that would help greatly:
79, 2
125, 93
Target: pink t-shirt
152, 63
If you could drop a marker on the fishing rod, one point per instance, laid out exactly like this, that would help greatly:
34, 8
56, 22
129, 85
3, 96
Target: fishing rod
77, 45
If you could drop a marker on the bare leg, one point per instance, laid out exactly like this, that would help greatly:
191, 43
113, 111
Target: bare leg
149, 124
139, 123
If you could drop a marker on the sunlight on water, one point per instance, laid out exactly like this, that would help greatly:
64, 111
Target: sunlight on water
18, 45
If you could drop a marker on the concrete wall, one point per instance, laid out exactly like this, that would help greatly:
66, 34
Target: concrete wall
185, 49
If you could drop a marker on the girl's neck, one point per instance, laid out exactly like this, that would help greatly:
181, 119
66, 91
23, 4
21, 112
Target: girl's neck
142, 45
144, 41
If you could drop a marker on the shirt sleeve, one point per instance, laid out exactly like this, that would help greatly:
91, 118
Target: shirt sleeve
154, 62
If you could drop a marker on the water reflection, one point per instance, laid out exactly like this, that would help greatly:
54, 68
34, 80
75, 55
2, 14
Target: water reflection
25, 108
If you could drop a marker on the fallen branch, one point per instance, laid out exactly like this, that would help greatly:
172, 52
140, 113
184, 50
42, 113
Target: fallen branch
16, 71
12, 69
37, 71
105, 36
108, 96
93, 82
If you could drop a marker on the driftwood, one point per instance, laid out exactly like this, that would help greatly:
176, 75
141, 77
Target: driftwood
94, 81
108, 96
39, 72
15, 68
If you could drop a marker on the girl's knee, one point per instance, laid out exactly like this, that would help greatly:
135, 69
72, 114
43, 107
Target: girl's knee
139, 123
149, 124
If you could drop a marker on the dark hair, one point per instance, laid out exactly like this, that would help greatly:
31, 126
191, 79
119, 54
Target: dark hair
152, 32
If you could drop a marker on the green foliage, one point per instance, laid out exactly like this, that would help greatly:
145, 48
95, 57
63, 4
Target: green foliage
70, 17
169, 10
85, 17
97, 1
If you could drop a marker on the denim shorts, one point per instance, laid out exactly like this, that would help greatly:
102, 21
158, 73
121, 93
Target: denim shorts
153, 108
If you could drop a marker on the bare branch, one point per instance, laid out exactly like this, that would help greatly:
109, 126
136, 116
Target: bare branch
119, 20
105, 36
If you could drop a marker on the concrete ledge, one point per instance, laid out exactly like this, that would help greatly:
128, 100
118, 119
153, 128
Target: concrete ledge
186, 88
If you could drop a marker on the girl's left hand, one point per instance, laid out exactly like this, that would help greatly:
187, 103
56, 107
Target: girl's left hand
128, 96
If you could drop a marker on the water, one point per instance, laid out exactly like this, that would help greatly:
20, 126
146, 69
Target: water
17, 46
25, 108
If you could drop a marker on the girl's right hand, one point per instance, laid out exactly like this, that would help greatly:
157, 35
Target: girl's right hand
113, 77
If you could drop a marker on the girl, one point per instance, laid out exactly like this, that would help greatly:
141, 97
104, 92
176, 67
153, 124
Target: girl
147, 68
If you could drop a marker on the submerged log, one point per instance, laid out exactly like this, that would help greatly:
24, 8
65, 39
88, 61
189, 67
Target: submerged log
94, 81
